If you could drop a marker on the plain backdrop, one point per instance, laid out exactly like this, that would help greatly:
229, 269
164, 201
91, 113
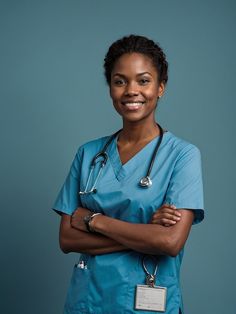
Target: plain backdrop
54, 98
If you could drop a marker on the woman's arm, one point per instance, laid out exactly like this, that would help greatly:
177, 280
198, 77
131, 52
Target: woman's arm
74, 240
147, 238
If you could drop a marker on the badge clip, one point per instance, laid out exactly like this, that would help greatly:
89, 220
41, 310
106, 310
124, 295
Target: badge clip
150, 297
150, 278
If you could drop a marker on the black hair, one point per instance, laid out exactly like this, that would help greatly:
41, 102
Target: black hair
138, 44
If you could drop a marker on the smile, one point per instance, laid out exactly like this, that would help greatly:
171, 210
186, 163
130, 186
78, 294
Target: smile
133, 105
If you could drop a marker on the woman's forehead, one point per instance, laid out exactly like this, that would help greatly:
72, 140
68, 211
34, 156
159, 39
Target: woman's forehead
137, 63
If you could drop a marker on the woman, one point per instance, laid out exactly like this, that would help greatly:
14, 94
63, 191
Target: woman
131, 232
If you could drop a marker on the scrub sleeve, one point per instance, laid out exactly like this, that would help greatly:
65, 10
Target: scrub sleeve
185, 189
68, 198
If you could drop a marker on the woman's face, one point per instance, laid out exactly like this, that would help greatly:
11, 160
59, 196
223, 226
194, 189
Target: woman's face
135, 88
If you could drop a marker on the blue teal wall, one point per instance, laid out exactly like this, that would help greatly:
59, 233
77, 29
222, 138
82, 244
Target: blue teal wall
54, 98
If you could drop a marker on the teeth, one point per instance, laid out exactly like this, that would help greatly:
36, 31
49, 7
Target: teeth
133, 104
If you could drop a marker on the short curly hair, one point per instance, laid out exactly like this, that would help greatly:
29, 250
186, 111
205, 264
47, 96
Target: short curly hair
138, 44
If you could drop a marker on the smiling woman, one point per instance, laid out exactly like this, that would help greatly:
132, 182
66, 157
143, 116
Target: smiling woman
131, 234
135, 87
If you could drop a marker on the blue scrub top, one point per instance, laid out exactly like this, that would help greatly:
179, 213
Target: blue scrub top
106, 285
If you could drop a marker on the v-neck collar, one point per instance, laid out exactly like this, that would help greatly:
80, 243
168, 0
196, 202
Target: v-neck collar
121, 170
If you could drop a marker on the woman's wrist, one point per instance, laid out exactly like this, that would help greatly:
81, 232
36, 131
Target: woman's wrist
93, 222
89, 221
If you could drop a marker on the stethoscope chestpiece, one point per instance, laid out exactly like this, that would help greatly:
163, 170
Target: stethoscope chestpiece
145, 182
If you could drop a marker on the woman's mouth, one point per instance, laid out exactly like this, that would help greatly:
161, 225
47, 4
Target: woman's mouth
133, 105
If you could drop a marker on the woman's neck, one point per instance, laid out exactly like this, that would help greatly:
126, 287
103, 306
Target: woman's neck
138, 132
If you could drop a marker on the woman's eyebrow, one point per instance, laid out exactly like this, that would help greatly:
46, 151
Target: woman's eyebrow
139, 74
142, 73
118, 74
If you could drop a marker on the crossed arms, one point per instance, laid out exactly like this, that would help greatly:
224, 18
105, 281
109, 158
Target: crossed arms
166, 233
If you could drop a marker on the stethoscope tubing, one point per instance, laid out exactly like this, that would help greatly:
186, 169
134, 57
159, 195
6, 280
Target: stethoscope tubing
144, 182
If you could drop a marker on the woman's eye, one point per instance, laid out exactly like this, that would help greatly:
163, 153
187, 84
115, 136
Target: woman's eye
144, 81
119, 82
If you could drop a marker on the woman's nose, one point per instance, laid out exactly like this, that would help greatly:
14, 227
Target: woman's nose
131, 90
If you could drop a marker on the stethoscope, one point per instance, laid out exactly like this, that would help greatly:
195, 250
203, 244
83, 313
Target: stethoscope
145, 182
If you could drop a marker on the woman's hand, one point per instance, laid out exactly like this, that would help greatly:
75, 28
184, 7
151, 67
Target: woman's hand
167, 215
77, 219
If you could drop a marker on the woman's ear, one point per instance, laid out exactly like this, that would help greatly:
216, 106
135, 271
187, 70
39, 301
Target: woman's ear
161, 90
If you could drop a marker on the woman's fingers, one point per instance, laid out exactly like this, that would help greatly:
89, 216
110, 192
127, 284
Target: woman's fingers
164, 221
77, 218
167, 215
168, 212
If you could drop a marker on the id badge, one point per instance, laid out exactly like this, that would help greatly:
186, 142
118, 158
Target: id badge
150, 298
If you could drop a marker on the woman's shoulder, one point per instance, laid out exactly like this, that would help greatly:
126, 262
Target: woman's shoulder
93, 146
180, 145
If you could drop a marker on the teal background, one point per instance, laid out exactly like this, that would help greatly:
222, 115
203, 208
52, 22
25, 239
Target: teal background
54, 98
